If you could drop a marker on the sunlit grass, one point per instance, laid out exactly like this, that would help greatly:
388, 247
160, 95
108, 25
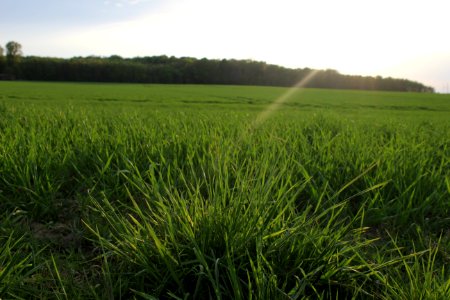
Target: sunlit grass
172, 192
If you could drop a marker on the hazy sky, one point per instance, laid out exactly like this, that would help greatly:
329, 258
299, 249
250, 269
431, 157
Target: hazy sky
406, 39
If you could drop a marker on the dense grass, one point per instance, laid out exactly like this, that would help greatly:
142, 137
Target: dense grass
166, 191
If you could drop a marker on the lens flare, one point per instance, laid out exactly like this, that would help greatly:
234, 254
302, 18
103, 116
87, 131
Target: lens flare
264, 115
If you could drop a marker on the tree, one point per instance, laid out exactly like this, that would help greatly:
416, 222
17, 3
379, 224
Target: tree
13, 53
164, 69
2, 59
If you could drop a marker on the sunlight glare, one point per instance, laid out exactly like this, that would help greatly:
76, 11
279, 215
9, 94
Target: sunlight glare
264, 115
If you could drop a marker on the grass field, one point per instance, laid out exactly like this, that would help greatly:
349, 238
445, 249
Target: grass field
112, 191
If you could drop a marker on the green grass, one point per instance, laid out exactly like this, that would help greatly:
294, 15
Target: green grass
179, 192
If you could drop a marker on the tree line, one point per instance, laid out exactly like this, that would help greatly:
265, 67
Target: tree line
9, 64
184, 70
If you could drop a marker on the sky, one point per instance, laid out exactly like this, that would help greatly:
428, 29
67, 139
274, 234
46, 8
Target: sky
398, 38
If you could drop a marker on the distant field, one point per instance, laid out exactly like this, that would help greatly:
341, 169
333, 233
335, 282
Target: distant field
197, 192
231, 98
